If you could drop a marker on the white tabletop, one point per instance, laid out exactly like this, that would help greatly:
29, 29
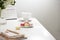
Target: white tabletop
38, 32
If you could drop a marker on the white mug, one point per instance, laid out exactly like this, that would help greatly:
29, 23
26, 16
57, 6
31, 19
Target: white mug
26, 15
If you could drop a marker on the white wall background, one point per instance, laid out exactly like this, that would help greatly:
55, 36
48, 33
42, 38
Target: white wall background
46, 11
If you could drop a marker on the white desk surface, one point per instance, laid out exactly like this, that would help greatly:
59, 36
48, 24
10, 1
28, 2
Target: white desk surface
38, 32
